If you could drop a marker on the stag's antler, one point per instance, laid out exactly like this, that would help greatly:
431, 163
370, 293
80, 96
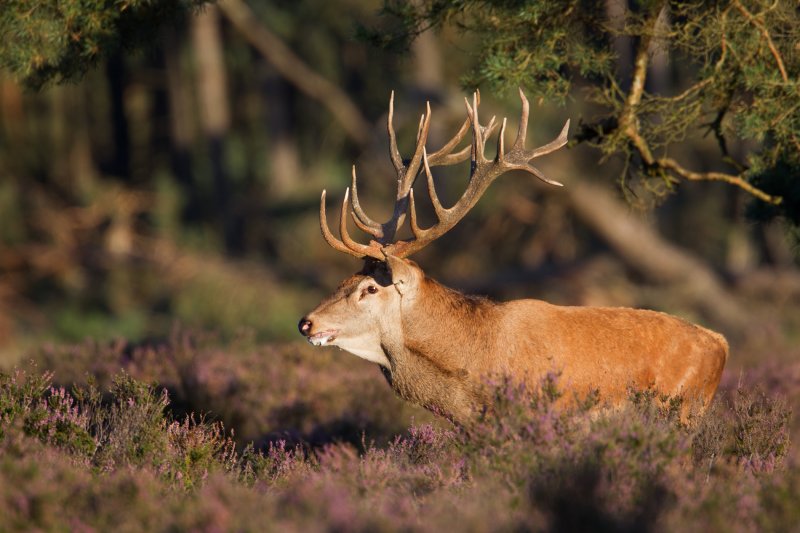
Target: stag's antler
482, 173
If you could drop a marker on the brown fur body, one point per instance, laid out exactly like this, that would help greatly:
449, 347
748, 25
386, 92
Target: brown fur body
440, 345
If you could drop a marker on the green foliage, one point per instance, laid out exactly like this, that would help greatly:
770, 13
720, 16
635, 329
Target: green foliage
56, 40
19, 392
737, 61
543, 46
49, 413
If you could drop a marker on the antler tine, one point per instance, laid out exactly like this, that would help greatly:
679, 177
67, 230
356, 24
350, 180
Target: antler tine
405, 178
522, 132
480, 177
501, 149
553, 145
364, 222
488, 131
442, 156
489, 127
412, 208
421, 235
334, 243
538, 173
363, 227
477, 137
361, 249
451, 159
519, 158
413, 166
394, 153
437, 205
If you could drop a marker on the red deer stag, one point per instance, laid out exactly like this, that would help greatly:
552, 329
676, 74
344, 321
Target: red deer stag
436, 346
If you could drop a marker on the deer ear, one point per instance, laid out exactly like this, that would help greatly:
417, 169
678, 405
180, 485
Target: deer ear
403, 274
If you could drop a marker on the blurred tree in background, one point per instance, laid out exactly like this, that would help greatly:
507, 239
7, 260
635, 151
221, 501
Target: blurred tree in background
178, 177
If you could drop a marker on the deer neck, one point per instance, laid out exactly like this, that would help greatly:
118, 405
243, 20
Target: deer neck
445, 325
437, 347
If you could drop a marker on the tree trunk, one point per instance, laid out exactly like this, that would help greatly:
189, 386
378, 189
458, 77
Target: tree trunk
429, 81
12, 111
215, 114
181, 124
428, 75
284, 159
81, 161
119, 164
616, 11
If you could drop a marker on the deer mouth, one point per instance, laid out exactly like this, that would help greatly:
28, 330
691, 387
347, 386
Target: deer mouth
323, 337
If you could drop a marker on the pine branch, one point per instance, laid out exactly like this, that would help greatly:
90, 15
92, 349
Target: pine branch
764, 33
629, 125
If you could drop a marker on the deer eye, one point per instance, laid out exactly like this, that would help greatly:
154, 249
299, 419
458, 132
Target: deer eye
370, 289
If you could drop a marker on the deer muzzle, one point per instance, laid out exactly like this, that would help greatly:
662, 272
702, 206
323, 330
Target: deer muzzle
320, 338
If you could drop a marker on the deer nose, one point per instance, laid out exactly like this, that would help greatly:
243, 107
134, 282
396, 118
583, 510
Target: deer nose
304, 326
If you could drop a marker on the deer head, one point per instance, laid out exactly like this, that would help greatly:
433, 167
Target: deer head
363, 315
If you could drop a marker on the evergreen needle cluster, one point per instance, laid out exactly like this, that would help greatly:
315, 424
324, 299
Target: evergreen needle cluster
59, 40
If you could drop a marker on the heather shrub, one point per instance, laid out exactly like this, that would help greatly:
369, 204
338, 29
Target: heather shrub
710, 441
746, 426
115, 451
135, 429
760, 429
20, 391
59, 421
266, 392
519, 427
575, 468
132, 428
49, 413
276, 464
422, 444
619, 471
196, 448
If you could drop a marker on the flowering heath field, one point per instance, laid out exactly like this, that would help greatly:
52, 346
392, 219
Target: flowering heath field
195, 434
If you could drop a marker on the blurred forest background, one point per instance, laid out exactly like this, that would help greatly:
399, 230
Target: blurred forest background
179, 182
